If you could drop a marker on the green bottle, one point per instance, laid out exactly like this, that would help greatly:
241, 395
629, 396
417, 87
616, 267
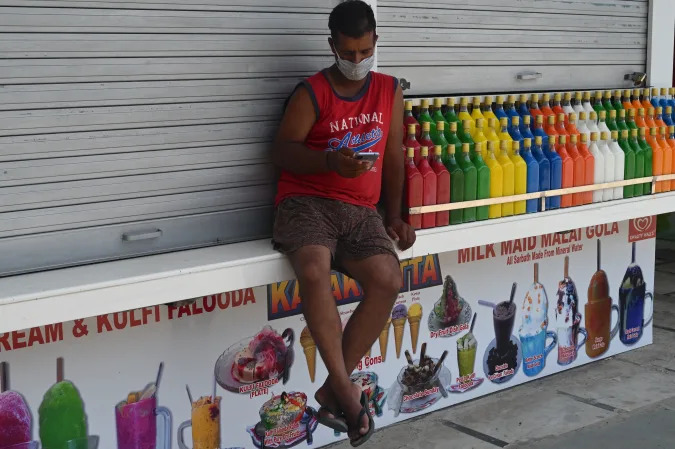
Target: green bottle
649, 155
639, 160
437, 115
597, 104
621, 121
464, 135
456, 182
470, 182
450, 115
426, 117
607, 102
616, 101
439, 137
611, 121
482, 181
451, 136
630, 121
629, 164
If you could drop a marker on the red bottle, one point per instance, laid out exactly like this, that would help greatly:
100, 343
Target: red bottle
534, 107
549, 127
425, 139
409, 119
442, 186
545, 106
571, 127
579, 169
413, 189
560, 125
567, 170
589, 167
411, 142
429, 188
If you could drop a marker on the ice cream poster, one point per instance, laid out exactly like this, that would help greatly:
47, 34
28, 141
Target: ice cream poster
239, 369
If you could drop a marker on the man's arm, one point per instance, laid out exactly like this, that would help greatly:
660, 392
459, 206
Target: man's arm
393, 177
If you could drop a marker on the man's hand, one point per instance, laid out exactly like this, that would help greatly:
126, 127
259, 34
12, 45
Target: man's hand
401, 232
344, 164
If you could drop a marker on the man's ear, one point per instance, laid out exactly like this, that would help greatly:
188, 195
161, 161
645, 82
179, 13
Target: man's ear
376, 38
332, 46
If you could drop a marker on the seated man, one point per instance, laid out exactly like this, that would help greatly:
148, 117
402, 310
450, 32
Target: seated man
325, 205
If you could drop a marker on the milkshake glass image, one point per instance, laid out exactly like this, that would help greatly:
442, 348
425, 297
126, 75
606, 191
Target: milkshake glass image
503, 316
137, 425
205, 424
567, 320
632, 295
466, 354
533, 331
598, 312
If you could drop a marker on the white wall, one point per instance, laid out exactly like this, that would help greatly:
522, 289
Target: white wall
661, 35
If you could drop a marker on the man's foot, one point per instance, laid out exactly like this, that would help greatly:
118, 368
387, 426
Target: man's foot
358, 422
330, 413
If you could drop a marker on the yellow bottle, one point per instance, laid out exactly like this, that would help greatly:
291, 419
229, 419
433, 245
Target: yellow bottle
504, 134
520, 174
487, 109
491, 133
508, 171
479, 137
464, 114
496, 180
476, 113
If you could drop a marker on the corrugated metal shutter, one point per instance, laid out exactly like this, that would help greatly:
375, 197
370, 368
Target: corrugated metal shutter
142, 126
463, 46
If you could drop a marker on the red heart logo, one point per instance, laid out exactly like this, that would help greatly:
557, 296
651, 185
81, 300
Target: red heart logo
642, 224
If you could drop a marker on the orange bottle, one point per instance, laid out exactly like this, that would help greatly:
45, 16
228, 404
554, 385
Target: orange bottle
645, 98
560, 125
567, 170
589, 167
549, 127
671, 142
649, 119
579, 169
625, 101
571, 126
658, 118
667, 158
640, 120
635, 99
545, 106
657, 156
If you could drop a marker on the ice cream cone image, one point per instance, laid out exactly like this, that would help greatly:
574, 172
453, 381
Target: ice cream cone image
398, 318
414, 318
384, 340
309, 347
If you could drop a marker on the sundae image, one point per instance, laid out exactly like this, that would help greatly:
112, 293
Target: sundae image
466, 354
599, 312
285, 420
384, 339
61, 414
398, 319
267, 355
567, 318
448, 307
309, 347
15, 417
414, 318
283, 410
632, 295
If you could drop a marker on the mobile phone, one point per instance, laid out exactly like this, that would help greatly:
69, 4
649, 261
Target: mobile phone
370, 157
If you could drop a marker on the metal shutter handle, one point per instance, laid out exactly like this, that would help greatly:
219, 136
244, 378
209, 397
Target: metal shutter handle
528, 76
141, 235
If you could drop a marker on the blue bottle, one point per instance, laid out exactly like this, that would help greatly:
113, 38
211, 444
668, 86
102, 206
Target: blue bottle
499, 108
524, 110
655, 100
538, 130
556, 169
532, 175
544, 170
510, 108
514, 130
667, 118
526, 128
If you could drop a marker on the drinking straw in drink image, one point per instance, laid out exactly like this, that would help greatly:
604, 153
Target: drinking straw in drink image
204, 420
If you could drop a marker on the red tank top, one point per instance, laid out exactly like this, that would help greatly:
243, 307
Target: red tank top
360, 123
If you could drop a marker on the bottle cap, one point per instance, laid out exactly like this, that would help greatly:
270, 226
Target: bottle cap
408, 105
624, 134
604, 135
438, 150
633, 132
463, 101
491, 122
561, 117
424, 104
577, 96
598, 95
453, 127
615, 135
527, 142
650, 112
466, 124
557, 97
511, 99
662, 130
527, 119
659, 110
567, 96
645, 92
515, 145
450, 102
669, 110
641, 112
655, 91
503, 121
573, 117
587, 95
594, 116
523, 98
584, 138
622, 113
594, 136
553, 139
424, 151
534, 97
437, 103
451, 148
412, 128
500, 99
540, 120
631, 113
479, 123
537, 140
617, 94
479, 147
562, 139
626, 93
671, 129
476, 101
546, 97
652, 131
440, 126
603, 115
515, 121
671, 91
642, 132
636, 92
551, 119
582, 115
608, 94
612, 114
487, 100
465, 148
573, 139
410, 152
426, 126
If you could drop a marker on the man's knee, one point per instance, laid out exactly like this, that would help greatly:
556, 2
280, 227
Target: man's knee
312, 267
387, 281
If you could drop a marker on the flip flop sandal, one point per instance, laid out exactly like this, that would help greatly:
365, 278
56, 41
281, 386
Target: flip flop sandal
365, 410
337, 422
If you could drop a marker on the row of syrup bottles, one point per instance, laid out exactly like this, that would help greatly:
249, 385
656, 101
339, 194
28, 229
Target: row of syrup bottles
534, 145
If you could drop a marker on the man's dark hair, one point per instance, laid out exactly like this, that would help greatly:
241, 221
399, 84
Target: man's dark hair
353, 18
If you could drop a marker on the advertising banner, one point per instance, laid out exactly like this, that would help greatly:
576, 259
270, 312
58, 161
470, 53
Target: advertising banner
239, 369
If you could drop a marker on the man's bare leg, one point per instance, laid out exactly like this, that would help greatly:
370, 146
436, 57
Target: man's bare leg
380, 278
312, 268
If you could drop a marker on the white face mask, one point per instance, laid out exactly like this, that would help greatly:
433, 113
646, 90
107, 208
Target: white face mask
355, 72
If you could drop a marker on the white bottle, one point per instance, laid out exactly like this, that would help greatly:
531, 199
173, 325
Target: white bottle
608, 160
566, 104
578, 107
592, 123
581, 125
602, 127
599, 166
619, 164
588, 108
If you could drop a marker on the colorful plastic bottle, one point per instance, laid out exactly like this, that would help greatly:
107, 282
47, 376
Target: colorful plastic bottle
668, 116
658, 118
556, 169
630, 121
520, 174
649, 119
545, 106
629, 162
567, 170
479, 137
607, 102
450, 115
560, 125
571, 126
578, 106
588, 107
621, 122
470, 183
514, 130
597, 103
429, 188
664, 100
544, 170
534, 107
425, 116
408, 119
442, 186
619, 164
456, 183
592, 123
437, 115
452, 137
464, 134
476, 113
589, 167
539, 131
491, 132
496, 180
567, 104
526, 128
646, 100
524, 109
582, 126
608, 161
486, 109
413, 189
508, 173
602, 126
425, 140
616, 101
464, 115
532, 175
671, 142
635, 99
626, 102
557, 104
510, 108
482, 180
579, 178
439, 137
411, 142
499, 109
504, 134
667, 158
598, 167
639, 151
550, 126
611, 121
657, 156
